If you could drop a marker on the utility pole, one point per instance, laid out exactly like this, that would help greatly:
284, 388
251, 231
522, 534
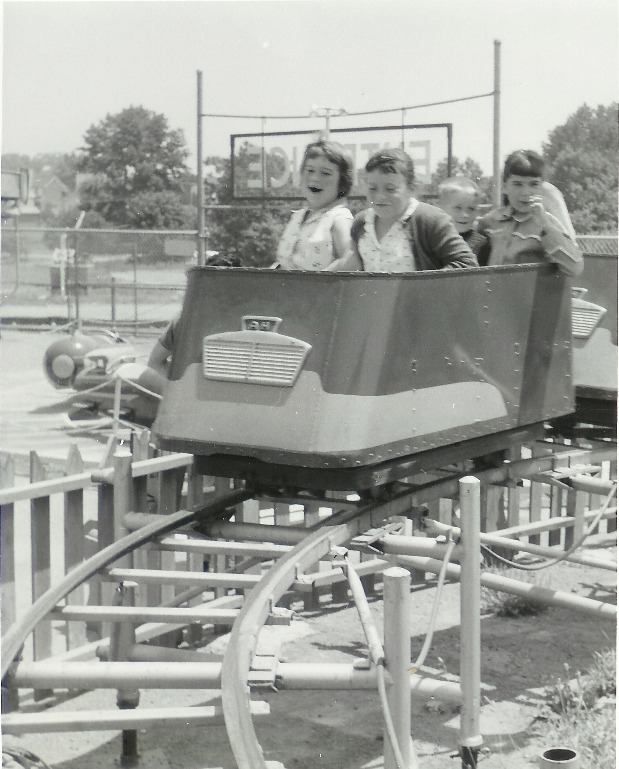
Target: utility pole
200, 174
496, 164
327, 113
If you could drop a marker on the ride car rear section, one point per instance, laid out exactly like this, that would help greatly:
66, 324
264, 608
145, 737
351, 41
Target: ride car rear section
595, 333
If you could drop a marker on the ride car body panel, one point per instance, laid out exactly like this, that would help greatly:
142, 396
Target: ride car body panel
394, 364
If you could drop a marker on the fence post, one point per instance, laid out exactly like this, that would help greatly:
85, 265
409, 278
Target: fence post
74, 538
76, 281
397, 633
135, 284
10, 697
113, 299
123, 489
17, 251
470, 628
557, 497
611, 524
122, 638
40, 554
40, 549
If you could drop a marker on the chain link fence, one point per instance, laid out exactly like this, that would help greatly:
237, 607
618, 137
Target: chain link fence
137, 278
108, 276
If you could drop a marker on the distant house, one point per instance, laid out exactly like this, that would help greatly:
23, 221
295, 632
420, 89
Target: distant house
189, 185
18, 199
189, 189
54, 196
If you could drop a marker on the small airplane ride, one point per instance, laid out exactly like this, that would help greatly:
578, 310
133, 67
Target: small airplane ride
90, 362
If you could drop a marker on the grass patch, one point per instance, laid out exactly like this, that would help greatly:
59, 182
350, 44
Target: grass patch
508, 605
581, 712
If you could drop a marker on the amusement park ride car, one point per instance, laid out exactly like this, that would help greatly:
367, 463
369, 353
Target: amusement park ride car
88, 361
297, 385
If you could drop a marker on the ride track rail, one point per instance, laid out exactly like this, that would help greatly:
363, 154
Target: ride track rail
292, 551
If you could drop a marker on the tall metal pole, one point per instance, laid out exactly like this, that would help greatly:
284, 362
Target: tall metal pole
17, 248
470, 630
496, 165
200, 173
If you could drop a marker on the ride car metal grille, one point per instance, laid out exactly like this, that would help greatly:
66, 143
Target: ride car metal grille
585, 318
253, 357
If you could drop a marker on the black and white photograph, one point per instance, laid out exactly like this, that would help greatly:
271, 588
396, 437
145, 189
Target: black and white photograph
308, 384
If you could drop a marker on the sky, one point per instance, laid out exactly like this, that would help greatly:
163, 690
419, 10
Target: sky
66, 65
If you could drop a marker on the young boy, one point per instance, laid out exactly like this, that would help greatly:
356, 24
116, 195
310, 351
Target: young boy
459, 196
523, 231
397, 232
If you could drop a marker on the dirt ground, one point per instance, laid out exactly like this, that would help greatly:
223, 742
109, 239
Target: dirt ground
343, 730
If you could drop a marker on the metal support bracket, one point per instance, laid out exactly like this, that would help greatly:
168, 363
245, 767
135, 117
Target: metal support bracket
365, 542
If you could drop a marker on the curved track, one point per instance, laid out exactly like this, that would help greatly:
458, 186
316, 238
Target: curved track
282, 557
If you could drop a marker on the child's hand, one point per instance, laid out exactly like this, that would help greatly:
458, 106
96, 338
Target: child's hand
538, 212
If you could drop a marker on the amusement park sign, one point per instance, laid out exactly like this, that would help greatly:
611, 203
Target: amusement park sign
266, 165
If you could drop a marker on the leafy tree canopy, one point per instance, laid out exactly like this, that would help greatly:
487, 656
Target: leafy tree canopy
126, 154
159, 211
469, 168
245, 232
581, 156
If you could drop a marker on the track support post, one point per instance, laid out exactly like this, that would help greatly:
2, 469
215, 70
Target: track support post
470, 625
122, 638
397, 589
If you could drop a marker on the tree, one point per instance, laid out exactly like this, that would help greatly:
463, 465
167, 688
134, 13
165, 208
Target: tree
247, 233
159, 211
469, 168
126, 154
581, 156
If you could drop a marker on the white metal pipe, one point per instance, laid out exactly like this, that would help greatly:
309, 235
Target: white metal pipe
526, 529
534, 593
495, 539
537, 527
337, 675
114, 675
101, 720
217, 547
171, 674
492, 540
470, 631
375, 647
141, 614
397, 618
204, 579
591, 485
397, 544
279, 535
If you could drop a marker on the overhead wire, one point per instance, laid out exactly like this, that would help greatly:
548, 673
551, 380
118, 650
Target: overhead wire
350, 114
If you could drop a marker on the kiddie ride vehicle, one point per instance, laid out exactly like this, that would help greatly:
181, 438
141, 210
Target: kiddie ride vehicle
351, 380
91, 362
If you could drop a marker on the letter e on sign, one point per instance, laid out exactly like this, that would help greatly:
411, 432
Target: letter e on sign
255, 167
